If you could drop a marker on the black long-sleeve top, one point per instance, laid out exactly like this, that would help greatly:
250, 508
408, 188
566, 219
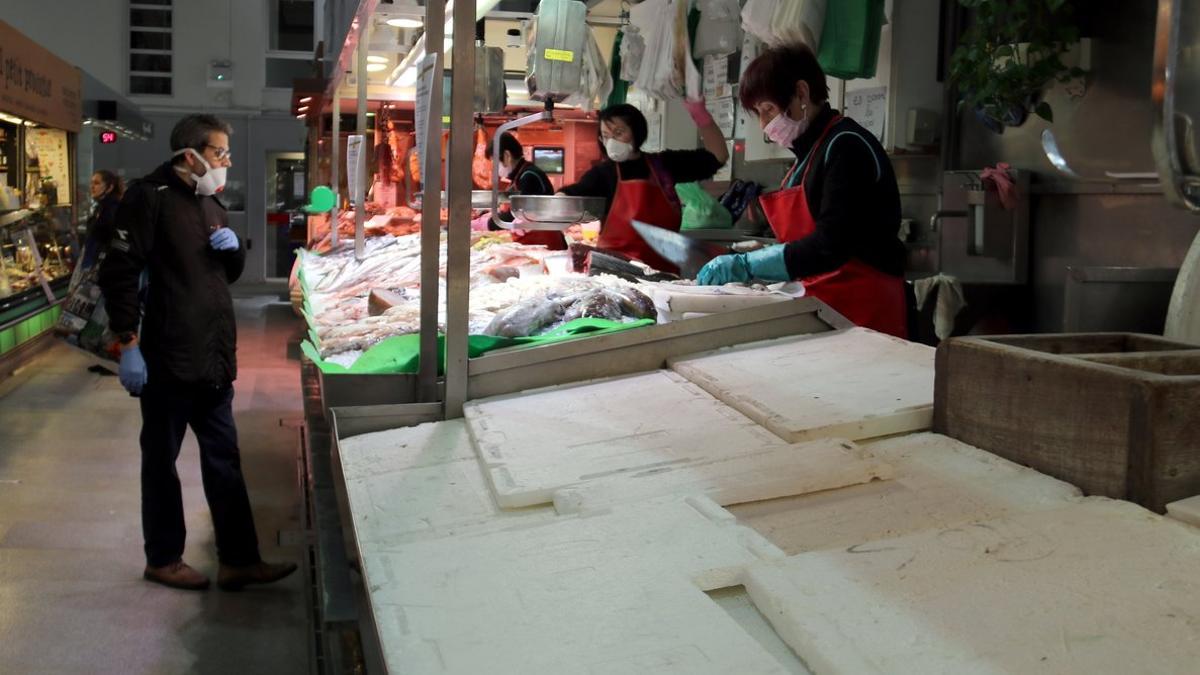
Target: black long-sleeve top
682, 166
854, 200
188, 333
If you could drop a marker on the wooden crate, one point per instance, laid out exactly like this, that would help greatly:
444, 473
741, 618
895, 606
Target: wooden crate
1117, 414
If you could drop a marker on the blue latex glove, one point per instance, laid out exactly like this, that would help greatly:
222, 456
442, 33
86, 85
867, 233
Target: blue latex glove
765, 264
223, 239
132, 372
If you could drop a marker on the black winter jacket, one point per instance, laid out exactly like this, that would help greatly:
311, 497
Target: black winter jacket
188, 334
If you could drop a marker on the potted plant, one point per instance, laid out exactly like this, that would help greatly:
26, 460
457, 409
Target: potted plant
1010, 53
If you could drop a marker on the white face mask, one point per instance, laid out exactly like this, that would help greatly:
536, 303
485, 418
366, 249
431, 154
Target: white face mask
784, 130
213, 180
618, 151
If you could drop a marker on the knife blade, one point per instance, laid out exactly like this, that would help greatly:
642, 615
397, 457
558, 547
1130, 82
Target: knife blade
688, 254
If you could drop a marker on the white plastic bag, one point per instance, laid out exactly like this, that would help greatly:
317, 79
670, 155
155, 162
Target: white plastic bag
596, 82
799, 21
757, 16
720, 30
633, 49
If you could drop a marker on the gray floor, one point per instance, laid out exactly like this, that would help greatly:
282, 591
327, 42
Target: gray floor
71, 594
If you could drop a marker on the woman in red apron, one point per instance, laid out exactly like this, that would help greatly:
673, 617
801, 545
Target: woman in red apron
641, 186
837, 212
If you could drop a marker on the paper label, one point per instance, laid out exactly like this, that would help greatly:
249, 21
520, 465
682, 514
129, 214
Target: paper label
563, 55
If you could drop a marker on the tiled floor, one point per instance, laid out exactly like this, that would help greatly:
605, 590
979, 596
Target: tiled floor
71, 594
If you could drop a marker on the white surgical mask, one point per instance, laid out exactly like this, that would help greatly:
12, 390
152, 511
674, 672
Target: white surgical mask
213, 180
784, 130
618, 151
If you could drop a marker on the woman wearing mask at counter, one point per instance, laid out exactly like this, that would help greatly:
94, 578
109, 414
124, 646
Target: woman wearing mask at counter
641, 186
837, 212
525, 179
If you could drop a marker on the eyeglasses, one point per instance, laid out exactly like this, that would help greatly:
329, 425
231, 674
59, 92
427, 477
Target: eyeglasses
221, 153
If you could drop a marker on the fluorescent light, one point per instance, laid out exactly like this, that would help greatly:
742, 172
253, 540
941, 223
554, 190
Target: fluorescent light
370, 114
301, 116
405, 23
376, 58
306, 99
302, 108
376, 67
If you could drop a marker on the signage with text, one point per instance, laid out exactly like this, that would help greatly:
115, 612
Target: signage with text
108, 137
36, 84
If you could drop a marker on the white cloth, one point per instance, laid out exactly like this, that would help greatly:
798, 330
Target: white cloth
950, 301
799, 21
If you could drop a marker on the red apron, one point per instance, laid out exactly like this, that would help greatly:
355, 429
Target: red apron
861, 293
645, 200
551, 239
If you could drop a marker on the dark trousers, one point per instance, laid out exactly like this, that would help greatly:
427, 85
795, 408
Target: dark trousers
167, 411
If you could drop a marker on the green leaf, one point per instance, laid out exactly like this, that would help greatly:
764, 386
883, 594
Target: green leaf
1043, 111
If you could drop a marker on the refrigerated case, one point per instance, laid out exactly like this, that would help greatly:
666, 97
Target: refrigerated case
39, 121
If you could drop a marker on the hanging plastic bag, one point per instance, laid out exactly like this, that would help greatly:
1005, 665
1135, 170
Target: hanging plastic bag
633, 47
701, 211
595, 82
850, 38
799, 21
720, 30
757, 16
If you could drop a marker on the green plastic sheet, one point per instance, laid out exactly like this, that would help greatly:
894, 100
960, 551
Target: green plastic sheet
402, 353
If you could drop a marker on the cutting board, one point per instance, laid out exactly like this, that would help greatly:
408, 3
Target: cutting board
421, 482
615, 592
1099, 586
535, 443
780, 471
938, 482
852, 384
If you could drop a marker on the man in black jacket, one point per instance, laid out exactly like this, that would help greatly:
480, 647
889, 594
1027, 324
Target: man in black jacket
182, 365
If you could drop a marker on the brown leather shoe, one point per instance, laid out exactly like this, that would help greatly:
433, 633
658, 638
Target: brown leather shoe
176, 575
231, 578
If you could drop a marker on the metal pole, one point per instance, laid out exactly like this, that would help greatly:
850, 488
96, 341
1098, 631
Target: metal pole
335, 158
360, 166
458, 255
431, 207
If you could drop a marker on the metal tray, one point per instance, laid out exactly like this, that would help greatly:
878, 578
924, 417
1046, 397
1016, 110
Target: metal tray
555, 212
480, 199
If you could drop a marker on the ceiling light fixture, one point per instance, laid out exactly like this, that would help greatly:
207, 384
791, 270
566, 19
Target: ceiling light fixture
376, 67
306, 99
376, 58
404, 22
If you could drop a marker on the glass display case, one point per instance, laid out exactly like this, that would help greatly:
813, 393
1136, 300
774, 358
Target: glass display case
37, 241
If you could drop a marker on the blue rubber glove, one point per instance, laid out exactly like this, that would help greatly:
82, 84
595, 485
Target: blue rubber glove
223, 239
132, 372
765, 264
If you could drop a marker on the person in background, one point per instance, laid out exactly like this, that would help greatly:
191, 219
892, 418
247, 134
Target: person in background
526, 179
641, 186
182, 364
837, 212
107, 189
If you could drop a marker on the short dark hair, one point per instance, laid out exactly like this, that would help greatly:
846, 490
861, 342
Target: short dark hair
632, 117
509, 143
773, 75
193, 132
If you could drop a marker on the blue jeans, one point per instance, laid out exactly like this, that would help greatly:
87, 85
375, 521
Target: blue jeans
168, 409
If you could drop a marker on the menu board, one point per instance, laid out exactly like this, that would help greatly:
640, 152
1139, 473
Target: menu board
53, 159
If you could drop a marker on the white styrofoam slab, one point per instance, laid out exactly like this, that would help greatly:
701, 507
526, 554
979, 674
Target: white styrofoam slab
420, 482
938, 482
854, 384
1100, 586
1186, 510
618, 591
780, 471
535, 443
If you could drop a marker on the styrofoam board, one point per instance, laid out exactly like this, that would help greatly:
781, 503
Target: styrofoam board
405, 448
938, 482
1186, 510
421, 482
535, 443
616, 591
780, 471
854, 384
1099, 586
